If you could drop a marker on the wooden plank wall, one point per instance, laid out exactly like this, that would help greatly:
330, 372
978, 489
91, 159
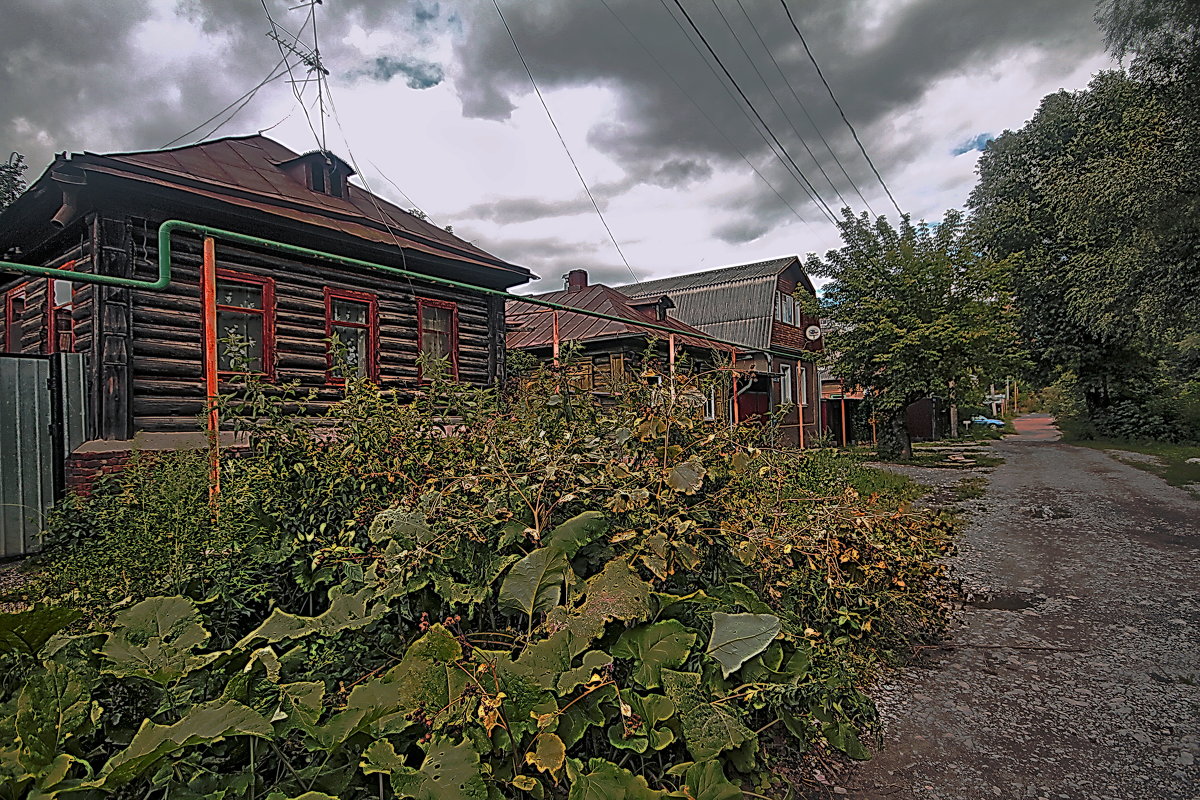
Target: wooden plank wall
167, 382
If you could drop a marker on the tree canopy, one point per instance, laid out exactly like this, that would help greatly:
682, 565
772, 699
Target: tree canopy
916, 311
12, 180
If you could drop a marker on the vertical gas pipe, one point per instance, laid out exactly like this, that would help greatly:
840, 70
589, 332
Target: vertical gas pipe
671, 361
735, 389
208, 293
803, 388
554, 326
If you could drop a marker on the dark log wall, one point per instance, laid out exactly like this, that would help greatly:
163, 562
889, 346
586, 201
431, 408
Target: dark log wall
167, 378
76, 243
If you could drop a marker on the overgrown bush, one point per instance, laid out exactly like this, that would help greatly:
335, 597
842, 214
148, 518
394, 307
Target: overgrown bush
466, 596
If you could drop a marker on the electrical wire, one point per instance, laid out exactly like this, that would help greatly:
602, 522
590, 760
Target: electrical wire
787, 118
700, 108
312, 15
273, 75
563, 141
833, 97
804, 108
812, 193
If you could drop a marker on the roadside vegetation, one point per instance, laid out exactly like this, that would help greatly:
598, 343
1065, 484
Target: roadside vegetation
1177, 464
470, 595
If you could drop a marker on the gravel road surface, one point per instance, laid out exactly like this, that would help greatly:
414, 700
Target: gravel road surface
1074, 670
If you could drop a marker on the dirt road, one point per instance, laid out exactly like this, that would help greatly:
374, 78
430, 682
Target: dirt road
1074, 672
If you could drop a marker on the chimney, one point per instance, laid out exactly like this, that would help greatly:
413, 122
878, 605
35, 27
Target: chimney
577, 280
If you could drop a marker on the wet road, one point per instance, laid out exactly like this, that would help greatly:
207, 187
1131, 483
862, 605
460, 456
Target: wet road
1074, 670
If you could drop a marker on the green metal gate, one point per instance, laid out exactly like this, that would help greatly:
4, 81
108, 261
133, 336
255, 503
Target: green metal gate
42, 419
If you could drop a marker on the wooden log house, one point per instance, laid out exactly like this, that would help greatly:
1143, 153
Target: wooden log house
100, 213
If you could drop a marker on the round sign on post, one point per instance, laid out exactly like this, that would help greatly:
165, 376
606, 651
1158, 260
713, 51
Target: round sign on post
812, 332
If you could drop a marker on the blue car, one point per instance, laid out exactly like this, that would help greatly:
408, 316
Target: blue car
987, 422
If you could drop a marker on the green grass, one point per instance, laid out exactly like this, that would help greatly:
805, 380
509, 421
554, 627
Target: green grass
970, 488
1171, 459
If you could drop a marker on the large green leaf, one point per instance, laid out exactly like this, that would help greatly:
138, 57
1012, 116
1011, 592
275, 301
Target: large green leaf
202, 724
604, 780
449, 772
156, 639
687, 476
709, 728
345, 611
705, 780
653, 647
577, 532
534, 583
636, 727
736, 638
842, 736
617, 593
27, 631
54, 706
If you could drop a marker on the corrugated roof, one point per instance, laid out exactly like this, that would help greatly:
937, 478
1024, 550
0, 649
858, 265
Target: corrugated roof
532, 326
245, 171
735, 303
710, 278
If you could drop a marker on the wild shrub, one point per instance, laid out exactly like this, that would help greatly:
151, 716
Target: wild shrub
463, 595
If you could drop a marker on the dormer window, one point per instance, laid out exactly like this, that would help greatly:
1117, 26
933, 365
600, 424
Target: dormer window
320, 171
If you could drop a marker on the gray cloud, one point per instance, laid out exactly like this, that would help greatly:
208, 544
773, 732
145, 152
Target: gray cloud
875, 75
75, 74
419, 74
524, 209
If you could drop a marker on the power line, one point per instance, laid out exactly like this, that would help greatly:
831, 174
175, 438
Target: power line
833, 97
700, 108
778, 104
816, 198
563, 141
804, 108
284, 49
274, 74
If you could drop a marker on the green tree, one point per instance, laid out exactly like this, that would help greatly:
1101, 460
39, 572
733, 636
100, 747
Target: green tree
12, 180
916, 311
1094, 205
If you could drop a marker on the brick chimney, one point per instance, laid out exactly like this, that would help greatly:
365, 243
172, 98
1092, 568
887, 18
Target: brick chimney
577, 280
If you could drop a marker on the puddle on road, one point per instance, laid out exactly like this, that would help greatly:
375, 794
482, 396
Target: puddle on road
1002, 601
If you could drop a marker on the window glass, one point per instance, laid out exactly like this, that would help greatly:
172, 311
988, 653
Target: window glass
787, 304
803, 385
787, 393
437, 335
710, 403
62, 330
350, 324
239, 316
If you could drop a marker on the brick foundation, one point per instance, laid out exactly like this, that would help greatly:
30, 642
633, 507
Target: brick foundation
84, 469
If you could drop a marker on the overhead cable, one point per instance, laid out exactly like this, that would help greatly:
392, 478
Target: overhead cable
809, 188
650, 52
833, 97
804, 108
787, 118
563, 141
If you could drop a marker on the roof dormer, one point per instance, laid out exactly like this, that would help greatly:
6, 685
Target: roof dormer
321, 171
655, 306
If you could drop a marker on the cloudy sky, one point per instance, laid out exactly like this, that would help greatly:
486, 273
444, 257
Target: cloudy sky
431, 101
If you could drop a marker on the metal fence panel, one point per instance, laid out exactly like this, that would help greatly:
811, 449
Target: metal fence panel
27, 453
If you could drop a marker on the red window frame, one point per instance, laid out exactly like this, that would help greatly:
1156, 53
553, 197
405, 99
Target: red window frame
372, 327
52, 312
12, 341
422, 303
267, 285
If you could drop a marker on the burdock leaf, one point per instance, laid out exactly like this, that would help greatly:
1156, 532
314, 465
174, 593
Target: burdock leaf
27, 631
535, 582
736, 638
687, 476
653, 647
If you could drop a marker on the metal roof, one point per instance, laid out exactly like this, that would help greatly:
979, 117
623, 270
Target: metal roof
735, 303
246, 171
532, 326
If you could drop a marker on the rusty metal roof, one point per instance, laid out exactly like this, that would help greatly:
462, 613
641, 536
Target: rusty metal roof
246, 171
532, 326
